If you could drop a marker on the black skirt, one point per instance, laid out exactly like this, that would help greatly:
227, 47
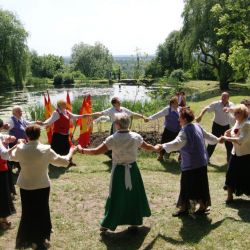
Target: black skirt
194, 186
60, 143
35, 225
6, 204
168, 136
238, 175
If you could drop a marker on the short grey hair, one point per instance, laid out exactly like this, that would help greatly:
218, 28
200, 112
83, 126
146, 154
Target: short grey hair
123, 120
15, 108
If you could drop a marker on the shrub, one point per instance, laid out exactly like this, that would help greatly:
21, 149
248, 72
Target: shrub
58, 79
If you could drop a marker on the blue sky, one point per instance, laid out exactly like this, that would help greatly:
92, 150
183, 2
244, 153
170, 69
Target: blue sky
54, 26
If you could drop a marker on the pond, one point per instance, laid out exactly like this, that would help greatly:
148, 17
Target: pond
31, 95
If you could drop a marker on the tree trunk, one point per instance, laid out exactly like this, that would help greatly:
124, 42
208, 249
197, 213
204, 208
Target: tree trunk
225, 72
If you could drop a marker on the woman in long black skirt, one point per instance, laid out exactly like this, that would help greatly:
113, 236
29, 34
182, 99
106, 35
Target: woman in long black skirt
194, 181
35, 225
238, 173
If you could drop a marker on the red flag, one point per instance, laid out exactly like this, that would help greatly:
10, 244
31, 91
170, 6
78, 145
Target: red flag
85, 123
69, 108
47, 113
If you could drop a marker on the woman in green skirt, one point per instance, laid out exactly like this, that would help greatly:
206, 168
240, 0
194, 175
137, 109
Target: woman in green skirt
127, 203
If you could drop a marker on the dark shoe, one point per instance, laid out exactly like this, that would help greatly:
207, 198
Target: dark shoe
103, 229
180, 213
201, 211
229, 201
133, 229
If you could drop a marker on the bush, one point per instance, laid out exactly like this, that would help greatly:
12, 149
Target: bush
58, 79
66, 78
178, 75
36, 81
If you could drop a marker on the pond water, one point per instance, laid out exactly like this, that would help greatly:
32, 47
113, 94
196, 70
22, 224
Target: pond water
30, 95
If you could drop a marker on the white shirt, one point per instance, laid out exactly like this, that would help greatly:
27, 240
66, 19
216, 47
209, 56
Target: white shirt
112, 111
11, 123
4, 154
124, 146
163, 112
55, 116
34, 159
242, 131
181, 140
220, 117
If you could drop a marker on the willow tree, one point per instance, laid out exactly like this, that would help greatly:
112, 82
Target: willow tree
202, 41
13, 48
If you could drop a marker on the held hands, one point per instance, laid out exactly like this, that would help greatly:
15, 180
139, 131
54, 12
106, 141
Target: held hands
221, 139
80, 149
158, 148
10, 139
146, 119
40, 123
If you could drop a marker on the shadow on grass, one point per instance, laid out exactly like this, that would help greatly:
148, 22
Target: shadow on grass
125, 239
219, 168
243, 207
56, 172
171, 166
192, 231
108, 163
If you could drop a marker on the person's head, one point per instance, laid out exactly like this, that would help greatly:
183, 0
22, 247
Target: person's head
33, 132
122, 121
173, 102
182, 93
17, 111
115, 101
186, 116
225, 97
246, 102
61, 104
240, 112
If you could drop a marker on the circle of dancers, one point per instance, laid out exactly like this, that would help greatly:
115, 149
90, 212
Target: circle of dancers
127, 202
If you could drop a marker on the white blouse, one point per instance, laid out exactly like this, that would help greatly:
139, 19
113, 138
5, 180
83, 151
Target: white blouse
242, 132
34, 158
124, 146
112, 111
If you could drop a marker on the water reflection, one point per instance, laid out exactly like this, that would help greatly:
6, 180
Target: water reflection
33, 95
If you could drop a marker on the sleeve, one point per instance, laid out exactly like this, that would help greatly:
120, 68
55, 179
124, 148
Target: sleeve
11, 124
57, 160
106, 112
4, 152
109, 142
211, 107
29, 122
55, 116
3, 137
128, 112
163, 112
14, 155
244, 133
178, 143
139, 140
210, 138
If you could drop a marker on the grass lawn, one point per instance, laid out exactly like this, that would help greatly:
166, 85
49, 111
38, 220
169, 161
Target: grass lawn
78, 196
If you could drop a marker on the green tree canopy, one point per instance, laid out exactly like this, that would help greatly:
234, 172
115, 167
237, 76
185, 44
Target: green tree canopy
168, 56
13, 48
46, 65
93, 61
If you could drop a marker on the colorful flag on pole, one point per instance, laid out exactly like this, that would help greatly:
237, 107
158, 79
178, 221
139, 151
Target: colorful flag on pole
85, 123
69, 108
47, 113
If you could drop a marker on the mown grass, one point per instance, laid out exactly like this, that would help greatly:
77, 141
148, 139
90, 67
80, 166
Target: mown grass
78, 197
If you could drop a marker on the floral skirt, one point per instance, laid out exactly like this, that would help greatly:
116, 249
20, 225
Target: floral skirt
125, 206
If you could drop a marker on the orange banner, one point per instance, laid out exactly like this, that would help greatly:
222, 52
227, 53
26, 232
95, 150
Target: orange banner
47, 113
85, 123
69, 108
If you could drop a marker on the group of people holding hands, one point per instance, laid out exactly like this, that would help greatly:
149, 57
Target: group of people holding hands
127, 201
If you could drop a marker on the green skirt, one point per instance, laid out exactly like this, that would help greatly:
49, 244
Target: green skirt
124, 206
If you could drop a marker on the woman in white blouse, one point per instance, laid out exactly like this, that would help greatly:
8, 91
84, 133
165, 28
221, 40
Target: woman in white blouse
33, 180
238, 174
127, 203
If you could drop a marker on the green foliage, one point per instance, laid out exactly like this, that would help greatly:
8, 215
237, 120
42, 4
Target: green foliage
13, 48
63, 78
92, 61
178, 75
45, 66
36, 81
36, 112
169, 56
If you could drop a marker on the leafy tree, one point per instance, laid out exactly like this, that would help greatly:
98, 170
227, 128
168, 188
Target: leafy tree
234, 21
45, 66
168, 56
93, 61
13, 48
202, 41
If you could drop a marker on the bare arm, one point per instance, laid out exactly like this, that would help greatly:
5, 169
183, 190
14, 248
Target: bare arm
101, 149
150, 147
198, 119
